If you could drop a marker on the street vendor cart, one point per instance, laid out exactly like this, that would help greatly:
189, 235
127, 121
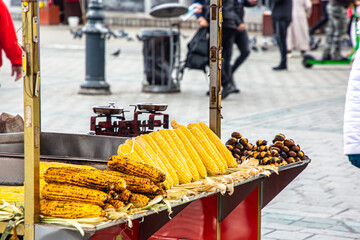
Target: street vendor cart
224, 209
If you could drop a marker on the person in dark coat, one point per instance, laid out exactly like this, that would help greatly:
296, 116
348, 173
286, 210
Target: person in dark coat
241, 38
281, 11
231, 22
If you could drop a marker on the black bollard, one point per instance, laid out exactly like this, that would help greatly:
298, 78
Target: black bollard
95, 32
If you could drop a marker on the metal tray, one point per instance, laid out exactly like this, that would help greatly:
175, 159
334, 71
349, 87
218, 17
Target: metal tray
151, 106
107, 110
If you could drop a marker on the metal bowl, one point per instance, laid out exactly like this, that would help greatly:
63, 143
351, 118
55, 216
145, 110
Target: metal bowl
151, 106
107, 110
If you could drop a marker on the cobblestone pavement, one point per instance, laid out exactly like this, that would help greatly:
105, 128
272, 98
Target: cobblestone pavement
304, 104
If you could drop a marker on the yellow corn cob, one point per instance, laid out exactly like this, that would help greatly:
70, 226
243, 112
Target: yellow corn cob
12, 194
124, 196
207, 160
218, 157
207, 146
192, 152
158, 151
230, 160
126, 150
85, 178
139, 200
70, 209
142, 154
156, 160
66, 192
178, 164
45, 165
117, 204
145, 188
129, 179
171, 136
129, 166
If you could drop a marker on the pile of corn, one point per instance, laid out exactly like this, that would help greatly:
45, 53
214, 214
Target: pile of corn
184, 154
15, 194
73, 192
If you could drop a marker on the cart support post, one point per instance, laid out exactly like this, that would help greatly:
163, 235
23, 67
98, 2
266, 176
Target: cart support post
215, 65
31, 78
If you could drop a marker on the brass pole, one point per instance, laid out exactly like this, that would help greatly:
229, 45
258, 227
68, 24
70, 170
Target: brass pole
31, 77
215, 65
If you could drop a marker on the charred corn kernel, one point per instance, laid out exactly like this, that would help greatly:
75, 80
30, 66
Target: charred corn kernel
129, 166
209, 148
125, 150
85, 178
108, 206
231, 162
66, 192
117, 204
70, 209
139, 200
124, 196
158, 151
180, 151
177, 163
192, 153
207, 160
156, 160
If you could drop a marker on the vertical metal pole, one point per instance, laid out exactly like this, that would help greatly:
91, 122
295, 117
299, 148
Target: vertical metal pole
31, 73
215, 65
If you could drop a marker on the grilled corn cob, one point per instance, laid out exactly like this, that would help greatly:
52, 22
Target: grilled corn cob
66, 192
139, 200
124, 196
145, 188
192, 153
207, 160
158, 151
45, 165
129, 166
156, 160
230, 160
208, 147
85, 178
177, 163
70, 209
117, 204
171, 136
129, 179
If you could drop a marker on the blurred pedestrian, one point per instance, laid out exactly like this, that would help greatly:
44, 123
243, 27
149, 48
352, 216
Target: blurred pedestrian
281, 14
337, 26
231, 22
352, 114
323, 20
241, 39
298, 31
9, 43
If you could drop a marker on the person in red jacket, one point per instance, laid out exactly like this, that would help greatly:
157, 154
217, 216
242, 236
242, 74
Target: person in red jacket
9, 43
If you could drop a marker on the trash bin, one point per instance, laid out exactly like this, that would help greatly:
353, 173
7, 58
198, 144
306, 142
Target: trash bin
161, 60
